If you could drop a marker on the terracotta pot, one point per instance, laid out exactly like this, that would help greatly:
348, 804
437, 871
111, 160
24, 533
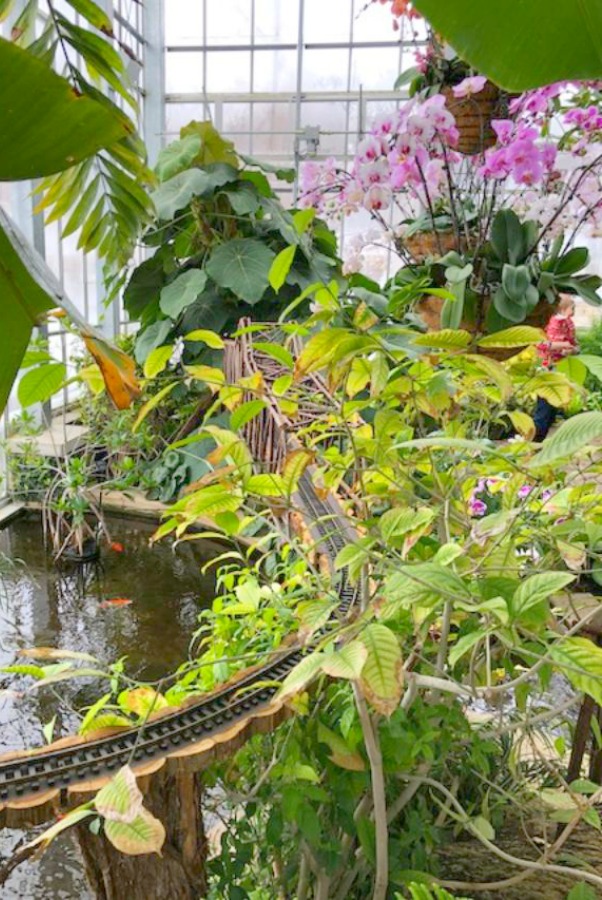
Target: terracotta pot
432, 244
474, 114
429, 309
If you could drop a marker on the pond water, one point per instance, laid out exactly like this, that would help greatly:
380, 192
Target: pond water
41, 606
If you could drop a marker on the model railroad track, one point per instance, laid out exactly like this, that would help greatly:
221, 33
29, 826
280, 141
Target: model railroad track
29, 775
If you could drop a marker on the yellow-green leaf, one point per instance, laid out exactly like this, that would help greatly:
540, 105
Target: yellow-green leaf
281, 267
382, 675
210, 338
517, 336
157, 360
121, 799
152, 403
145, 834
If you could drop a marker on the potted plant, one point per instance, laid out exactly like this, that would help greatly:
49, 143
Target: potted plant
72, 517
471, 98
511, 214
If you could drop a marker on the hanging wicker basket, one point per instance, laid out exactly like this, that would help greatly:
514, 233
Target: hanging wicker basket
429, 309
474, 115
424, 245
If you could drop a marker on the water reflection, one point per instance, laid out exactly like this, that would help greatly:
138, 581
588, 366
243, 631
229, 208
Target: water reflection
43, 606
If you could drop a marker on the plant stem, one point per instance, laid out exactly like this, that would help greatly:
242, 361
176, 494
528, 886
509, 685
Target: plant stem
381, 878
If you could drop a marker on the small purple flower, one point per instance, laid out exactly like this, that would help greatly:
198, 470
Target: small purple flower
545, 495
524, 491
477, 508
469, 86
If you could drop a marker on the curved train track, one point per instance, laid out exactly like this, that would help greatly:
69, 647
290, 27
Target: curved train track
31, 774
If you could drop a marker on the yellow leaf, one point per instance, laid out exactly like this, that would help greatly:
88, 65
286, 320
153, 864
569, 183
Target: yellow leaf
118, 370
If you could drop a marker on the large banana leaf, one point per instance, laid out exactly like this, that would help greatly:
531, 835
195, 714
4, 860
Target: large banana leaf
28, 291
522, 44
46, 125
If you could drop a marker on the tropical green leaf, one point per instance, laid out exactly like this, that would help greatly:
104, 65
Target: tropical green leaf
295, 465
573, 435
177, 156
419, 583
553, 387
34, 99
269, 484
313, 615
151, 404
494, 371
151, 337
517, 336
39, 384
281, 266
497, 39
382, 674
574, 369
29, 291
396, 523
319, 350
446, 339
157, 360
538, 587
277, 352
210, 338
592, 363
345, 663
242, 265
280, 172
581, 661
303, 673
182, 292
245, 413
177, 192
214, 147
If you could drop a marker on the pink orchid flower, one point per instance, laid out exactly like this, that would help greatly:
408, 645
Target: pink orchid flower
472, 85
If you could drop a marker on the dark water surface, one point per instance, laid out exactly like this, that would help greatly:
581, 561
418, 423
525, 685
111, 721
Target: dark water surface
41, 606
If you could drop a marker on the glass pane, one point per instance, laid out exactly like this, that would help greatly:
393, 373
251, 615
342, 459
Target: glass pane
276, 22
275, 70
269, 146
183, 72
325, 70
227, 72
177, 115
375, 68
236, 117
242, 142
183, 22
326, 21
229, 23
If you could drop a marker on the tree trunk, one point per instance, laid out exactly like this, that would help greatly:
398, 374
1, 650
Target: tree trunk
179, 874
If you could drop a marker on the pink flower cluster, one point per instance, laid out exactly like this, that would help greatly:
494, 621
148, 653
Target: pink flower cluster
538, 103
520, 154
404, 152
408, 163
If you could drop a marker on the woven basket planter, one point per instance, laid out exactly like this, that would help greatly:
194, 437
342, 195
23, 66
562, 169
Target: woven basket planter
473, 117
429, 309
431, 244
